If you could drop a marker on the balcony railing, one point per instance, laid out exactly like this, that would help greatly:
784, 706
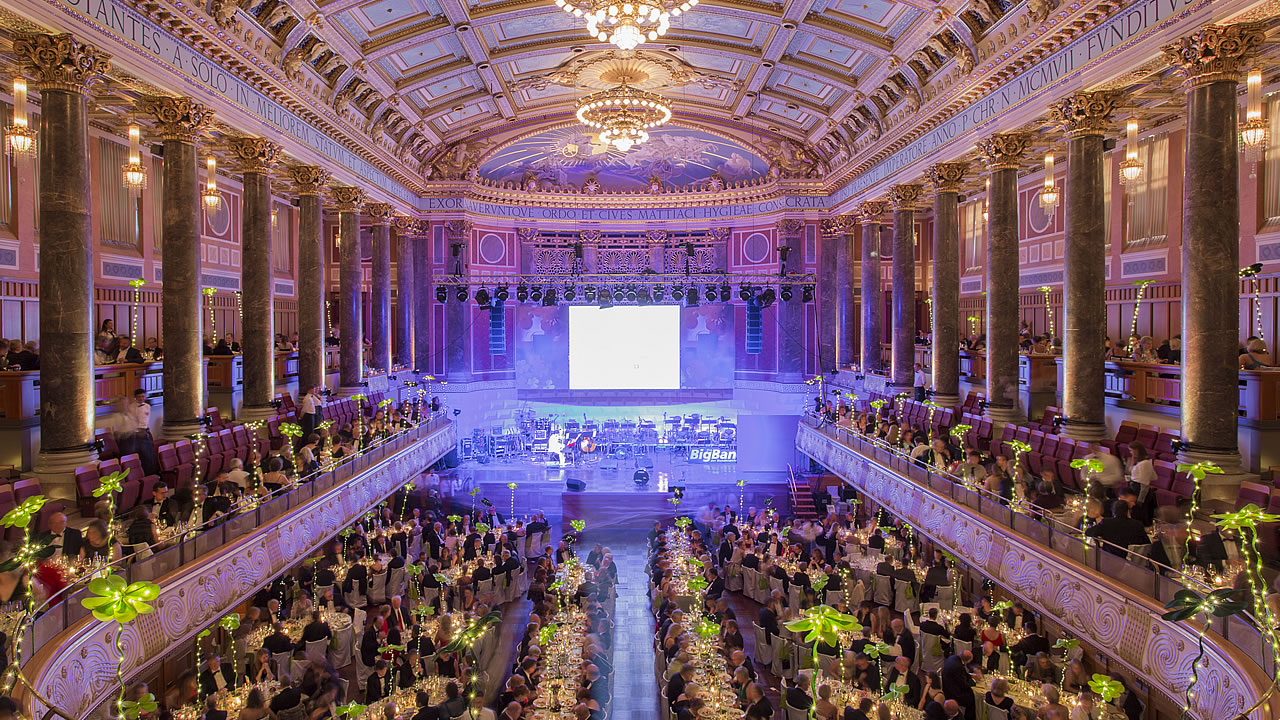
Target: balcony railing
1099, 594
210, 570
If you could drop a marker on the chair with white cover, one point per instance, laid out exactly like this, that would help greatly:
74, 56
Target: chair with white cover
378, 588
320, 590
791, 713
857, 593
882, 594
353, 597
362, 671
297, 668
781, 655
906, 600
995, 713
283, 665
932, 654
945, 595
793, 597
395, 582
764, 649
340, 648
317, 651
733, 577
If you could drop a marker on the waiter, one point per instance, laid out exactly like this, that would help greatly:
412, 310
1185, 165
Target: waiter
134, 433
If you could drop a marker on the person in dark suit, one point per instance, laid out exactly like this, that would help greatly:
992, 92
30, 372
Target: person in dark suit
865, 674
904, 639
900, 674
278, 642
768, 618
678, 681
481, 573
408, 668
378, 685
797, 695
1119, 531
316, 629
217, 676
66, 541
957, 683
758, 706
422, 700
454, 704
862, 712
211, 711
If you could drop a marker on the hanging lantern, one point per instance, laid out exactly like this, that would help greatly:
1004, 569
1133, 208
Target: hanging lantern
1254, 132
211, 195
20, 138
1048, 194
135, 175
1131, 166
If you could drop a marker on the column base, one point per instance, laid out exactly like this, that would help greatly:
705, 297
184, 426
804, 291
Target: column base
1087, 431
946, 400
1219, 489
180, 429
57, 470
1004, 415
346, 391
254, 413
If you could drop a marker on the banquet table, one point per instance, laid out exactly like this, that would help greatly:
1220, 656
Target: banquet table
1027, 695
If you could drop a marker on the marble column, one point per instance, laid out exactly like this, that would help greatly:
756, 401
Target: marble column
791, 312
829, 239
257, 273
380, 215
1002, 153
310, 181
903, 199
945, 366
1211, 60
422, 294
872, 292
403, 350
181, 120
458, 316
1084, 117
64, 70
350, 331
846, 324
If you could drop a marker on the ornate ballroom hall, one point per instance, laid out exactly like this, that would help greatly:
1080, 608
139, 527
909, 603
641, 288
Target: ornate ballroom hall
639, 360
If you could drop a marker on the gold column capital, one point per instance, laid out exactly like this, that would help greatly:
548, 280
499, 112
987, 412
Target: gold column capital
838, 224
1085, 113
179, 118
1003, 151
379, 212
1215, 53
790, 226
904, 196
255, 154
349, 198
310, 179
871, 210
946, 177
458, 230
61, 62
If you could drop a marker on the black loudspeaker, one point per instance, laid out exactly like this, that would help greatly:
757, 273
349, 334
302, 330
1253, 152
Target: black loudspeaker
575, 484
497, 329
755, 328
451, 460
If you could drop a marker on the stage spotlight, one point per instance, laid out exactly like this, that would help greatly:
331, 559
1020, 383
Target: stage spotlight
677, 293
786, 294
711, 293
462, 293
744, 292
606, 299
726, 293
642, 296
589, 293
767, 297
536, 293
807, 293
502, 293
631, 294
691, 298
442, 294
569, 293
522, 293
657, 293
482, 297
549, 299
619, 294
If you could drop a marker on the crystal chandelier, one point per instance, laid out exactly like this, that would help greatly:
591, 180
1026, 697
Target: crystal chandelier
20, 138
623, 115
1131, 166
1253, 132
1049, 193
135, 175
211, 195
626, 24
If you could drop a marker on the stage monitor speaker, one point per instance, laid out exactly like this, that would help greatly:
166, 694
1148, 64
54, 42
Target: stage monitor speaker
575, 484
609, 463
644, 461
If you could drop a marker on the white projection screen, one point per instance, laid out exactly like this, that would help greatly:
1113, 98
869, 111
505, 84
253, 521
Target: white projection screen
624, 347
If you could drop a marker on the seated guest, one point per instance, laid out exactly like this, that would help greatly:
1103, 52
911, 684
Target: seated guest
998, 695
216, 676
377, 686
862, 712
453, 704
1052, 704
758, 706
316, 629
826, 710
1119, 531
866, 674
796, 695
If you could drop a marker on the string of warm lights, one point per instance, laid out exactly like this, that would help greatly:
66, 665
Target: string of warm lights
1048, 308
213, 323
1137, 308
136, 284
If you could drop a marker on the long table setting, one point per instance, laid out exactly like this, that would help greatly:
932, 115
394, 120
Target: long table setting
1028, 695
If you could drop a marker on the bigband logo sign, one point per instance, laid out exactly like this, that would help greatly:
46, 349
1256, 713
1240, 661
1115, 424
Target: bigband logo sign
712, 455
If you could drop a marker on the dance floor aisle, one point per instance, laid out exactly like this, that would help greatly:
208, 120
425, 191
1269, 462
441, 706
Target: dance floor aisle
635, 693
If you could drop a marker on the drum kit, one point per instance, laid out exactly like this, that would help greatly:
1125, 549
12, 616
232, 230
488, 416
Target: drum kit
558, 440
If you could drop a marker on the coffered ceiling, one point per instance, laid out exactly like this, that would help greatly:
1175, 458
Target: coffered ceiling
422, 75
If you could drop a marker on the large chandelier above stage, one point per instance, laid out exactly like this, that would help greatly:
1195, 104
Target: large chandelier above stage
626, 24
623, 115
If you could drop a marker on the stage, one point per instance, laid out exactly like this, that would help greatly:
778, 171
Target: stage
611, 499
